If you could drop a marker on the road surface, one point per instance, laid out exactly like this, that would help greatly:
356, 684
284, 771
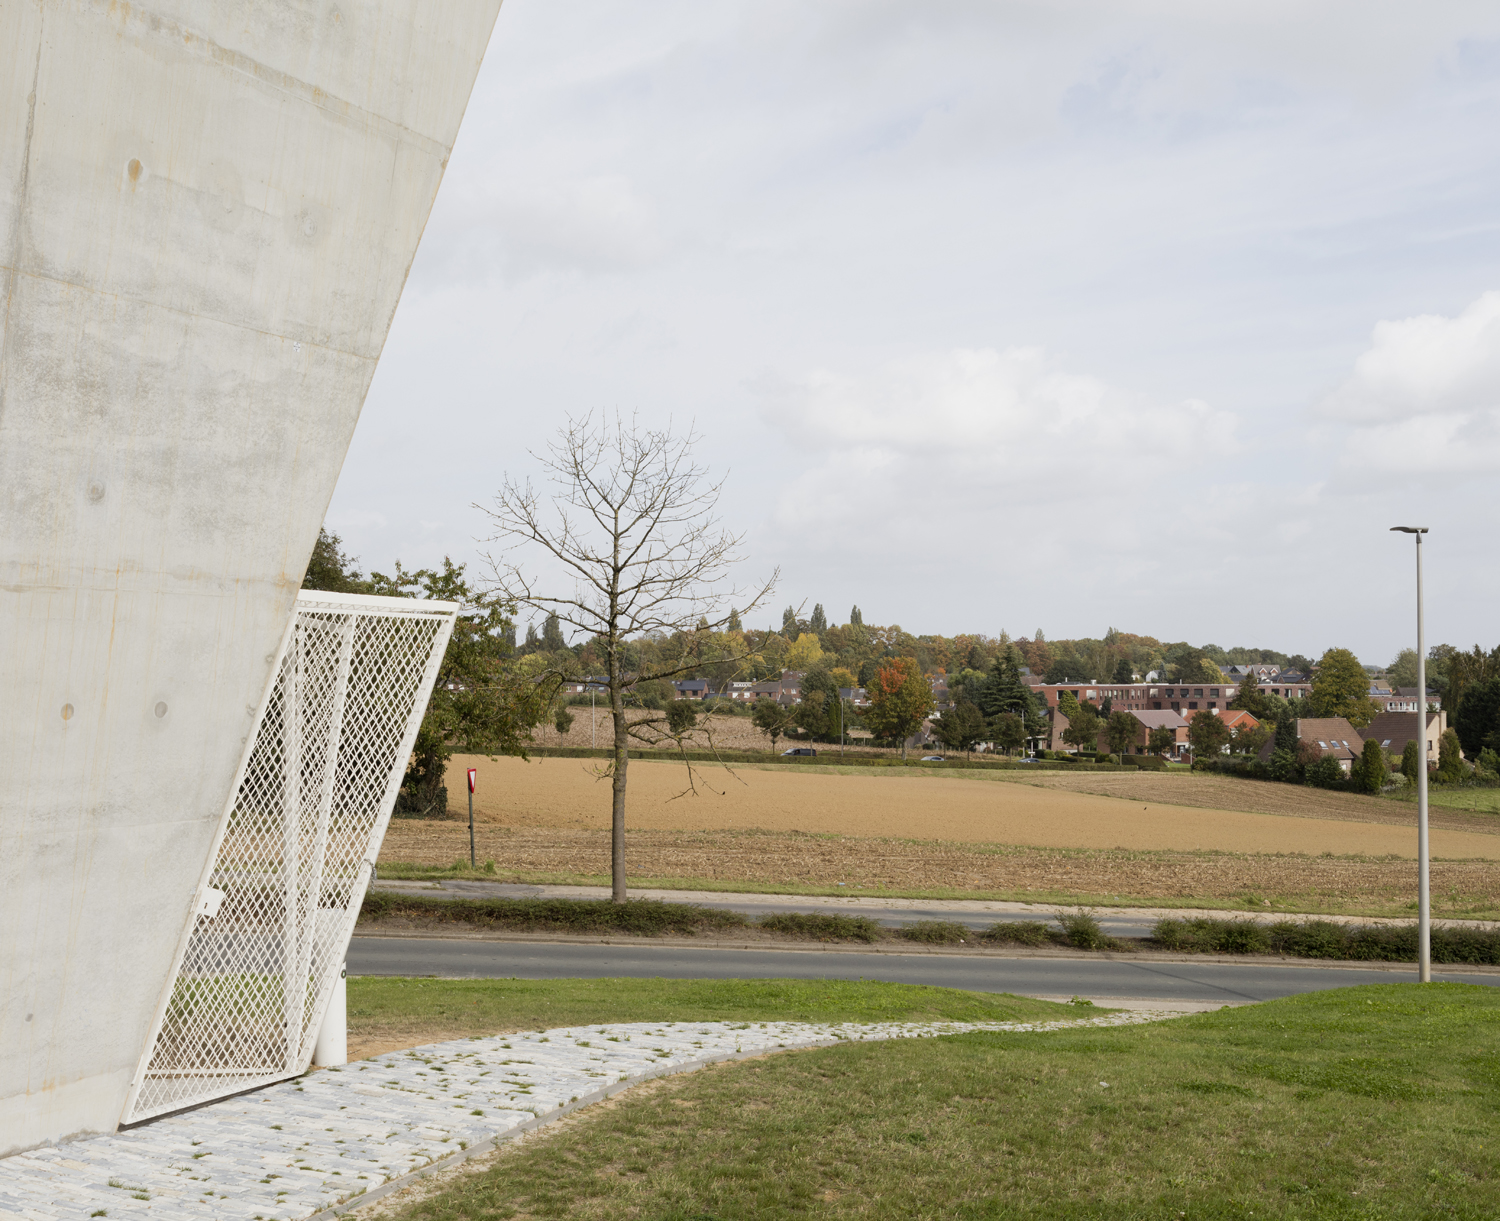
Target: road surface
1229, 982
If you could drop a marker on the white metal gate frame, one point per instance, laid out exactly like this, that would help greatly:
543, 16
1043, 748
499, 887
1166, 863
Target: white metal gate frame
295, 848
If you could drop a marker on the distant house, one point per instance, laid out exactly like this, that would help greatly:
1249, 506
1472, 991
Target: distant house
585, 685
1148, 719
1331, 735
740, 691
1142, 697
784, 690
691, 688
1404, 699
1393, 730
1237, 718
857, 696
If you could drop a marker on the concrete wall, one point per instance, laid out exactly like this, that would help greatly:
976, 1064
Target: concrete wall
207, 212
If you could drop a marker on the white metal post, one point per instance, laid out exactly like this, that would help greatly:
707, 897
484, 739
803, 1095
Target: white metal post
1424, 895
332, 1047
291, 864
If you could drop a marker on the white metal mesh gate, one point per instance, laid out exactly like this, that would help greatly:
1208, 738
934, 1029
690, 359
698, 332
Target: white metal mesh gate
294, 857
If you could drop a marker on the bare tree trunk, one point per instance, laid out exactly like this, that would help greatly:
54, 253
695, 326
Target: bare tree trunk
617, 805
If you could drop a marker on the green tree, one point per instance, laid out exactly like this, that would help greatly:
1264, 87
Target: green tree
1121, 730
1250, 698
330, 569
1083, 728
900, 700
819, 621
1342, 688
1009, 731
1411, 759
563, 720
1160, 740
960, 727
812, 713
478, 704
772, 718
1207, 734
1450, 768
1478, 715
1124, 672
682, 716
552, 637
1368, 773
1402, 672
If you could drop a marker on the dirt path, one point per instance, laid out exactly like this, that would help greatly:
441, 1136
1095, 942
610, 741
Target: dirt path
566, 793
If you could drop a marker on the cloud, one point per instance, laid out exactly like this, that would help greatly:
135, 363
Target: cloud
982, 438
1424, 398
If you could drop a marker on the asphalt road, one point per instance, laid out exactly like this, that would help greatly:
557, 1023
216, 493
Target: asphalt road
1097, 979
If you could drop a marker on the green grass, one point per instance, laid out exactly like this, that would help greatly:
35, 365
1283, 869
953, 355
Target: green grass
1458, 797
1377, 1102
451, 1008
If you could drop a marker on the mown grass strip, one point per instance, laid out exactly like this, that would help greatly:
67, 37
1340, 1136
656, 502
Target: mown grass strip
1376, 1102
426, 1010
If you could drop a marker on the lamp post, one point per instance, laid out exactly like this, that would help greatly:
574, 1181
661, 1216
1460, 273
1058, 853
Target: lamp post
1424, 898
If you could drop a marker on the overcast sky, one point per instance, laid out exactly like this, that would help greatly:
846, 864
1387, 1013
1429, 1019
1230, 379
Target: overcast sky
1065, 314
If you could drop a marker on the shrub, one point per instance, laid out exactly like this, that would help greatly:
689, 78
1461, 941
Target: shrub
937, 932
1082, 930
1325, 774
822, 926
1411, 759
647, 917
1326, 939
1451, 766
1021, 932
1149, 763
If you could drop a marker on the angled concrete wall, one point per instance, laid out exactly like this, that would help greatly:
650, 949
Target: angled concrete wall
207, 212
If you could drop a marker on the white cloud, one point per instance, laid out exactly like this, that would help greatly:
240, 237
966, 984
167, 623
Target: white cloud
979, 437
1424, 398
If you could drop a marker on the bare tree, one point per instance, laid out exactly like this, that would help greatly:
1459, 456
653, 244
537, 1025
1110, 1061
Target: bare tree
632, 522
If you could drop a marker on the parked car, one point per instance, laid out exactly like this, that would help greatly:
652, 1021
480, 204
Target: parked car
800, 750
933, 759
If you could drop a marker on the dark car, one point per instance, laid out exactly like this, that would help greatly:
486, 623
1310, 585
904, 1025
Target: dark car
800, 750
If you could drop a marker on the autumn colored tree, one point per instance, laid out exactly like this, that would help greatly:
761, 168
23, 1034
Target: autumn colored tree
900, 699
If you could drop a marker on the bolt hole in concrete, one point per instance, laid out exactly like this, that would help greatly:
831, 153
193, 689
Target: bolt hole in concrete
161, 709
67, 712
96, 491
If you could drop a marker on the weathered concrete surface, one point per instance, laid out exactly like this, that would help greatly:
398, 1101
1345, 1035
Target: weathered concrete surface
207, 212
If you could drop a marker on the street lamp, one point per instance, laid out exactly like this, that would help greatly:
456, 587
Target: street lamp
1424, 898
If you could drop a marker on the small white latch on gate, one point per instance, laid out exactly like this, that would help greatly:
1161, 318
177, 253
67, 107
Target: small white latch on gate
208, 906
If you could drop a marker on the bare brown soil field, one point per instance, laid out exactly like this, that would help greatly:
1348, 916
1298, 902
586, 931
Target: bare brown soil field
921, 805
788, 860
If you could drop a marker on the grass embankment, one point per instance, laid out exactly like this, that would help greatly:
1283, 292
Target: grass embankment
1377, 1102
386, 1014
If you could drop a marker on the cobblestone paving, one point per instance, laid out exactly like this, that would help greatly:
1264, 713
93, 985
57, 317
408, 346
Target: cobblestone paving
294, 1149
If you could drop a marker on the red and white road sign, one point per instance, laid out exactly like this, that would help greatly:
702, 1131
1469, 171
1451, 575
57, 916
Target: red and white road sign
473, 771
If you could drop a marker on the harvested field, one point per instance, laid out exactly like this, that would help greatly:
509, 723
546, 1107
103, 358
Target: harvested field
1204, 791
925, 805
789, 861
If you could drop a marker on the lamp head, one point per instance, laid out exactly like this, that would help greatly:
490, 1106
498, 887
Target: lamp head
1410, 529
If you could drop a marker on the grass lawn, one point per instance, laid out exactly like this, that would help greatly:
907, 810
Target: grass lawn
1376, 1102
387, 1013
1476, 800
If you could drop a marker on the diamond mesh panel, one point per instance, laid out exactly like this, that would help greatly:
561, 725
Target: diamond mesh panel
295, 857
